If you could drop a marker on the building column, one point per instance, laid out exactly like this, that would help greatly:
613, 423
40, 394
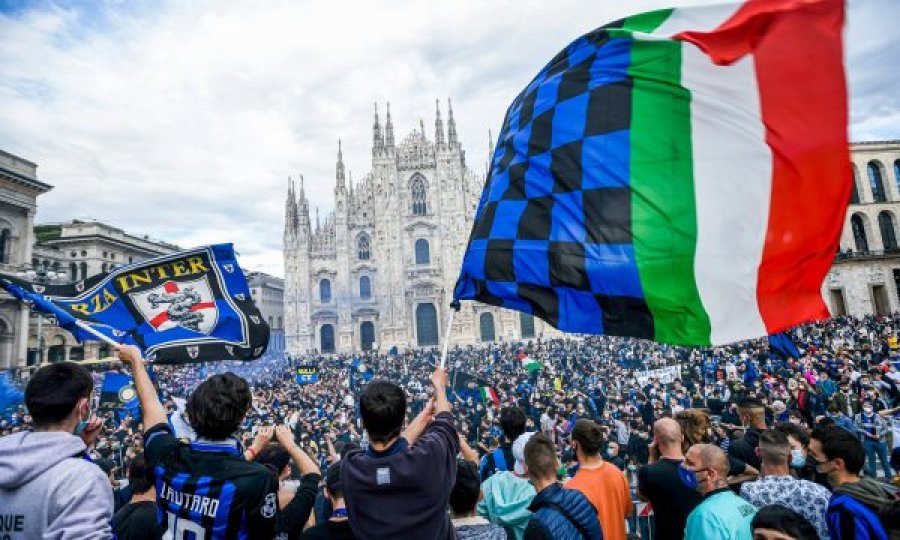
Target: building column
19, 354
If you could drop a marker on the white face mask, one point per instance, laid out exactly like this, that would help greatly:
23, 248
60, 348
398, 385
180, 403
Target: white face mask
867, 410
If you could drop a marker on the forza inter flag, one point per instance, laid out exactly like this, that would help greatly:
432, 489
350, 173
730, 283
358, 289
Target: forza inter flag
191, 306
680, 175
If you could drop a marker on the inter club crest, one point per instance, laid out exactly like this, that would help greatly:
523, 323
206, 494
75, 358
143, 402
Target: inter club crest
188, 304
127, 393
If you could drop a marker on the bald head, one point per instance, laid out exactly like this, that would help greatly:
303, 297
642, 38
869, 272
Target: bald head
710, 456
667, 432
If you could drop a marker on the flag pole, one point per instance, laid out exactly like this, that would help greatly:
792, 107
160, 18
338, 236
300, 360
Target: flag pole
447, 338
102, 337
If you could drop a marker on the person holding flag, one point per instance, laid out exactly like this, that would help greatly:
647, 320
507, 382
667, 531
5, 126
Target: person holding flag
205, 488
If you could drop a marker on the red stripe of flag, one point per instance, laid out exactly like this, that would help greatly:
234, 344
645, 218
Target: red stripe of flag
157, 321
798, 53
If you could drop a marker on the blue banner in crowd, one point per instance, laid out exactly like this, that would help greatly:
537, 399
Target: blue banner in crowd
191, 306
118, 394
307, 374
10, 394
782, 345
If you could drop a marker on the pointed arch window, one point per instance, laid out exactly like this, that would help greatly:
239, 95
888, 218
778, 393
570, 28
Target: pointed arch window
365, 287
325, 291
876, 181
423, 253
362, 247
419, 196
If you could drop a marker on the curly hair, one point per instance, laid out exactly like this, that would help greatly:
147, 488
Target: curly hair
694, 426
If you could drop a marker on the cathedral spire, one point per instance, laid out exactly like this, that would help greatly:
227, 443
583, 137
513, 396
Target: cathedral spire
317, 220
388, 129
438, 125
452, 140
340, 167
350, 182
291, 220
377, 138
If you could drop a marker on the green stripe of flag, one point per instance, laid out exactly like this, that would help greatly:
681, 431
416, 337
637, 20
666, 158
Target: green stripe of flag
664, 220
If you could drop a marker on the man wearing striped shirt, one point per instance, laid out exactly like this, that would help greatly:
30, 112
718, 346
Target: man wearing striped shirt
205, 488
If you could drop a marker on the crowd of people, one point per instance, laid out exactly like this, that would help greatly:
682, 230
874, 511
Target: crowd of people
592, 437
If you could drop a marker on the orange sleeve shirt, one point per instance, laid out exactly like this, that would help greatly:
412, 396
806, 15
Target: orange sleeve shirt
607, 489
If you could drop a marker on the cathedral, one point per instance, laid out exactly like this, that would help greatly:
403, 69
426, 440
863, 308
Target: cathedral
379, 271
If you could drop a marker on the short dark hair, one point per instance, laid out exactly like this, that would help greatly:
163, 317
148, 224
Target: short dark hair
467, 488
837, 442
750, 403
540, 456
55, 390
774, 447
274, 457
588, 435
140, 476
218, 406
793, 430
784, 520
333, 481
382, 406
512, 422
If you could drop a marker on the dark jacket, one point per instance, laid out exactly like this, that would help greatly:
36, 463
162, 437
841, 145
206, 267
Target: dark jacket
404, 491
562, 514
744, 449
850, 521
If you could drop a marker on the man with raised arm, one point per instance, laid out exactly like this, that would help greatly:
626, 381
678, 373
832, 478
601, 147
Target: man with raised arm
399, 487
205, 488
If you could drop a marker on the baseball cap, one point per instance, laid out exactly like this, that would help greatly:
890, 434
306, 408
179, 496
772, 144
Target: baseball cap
518, 452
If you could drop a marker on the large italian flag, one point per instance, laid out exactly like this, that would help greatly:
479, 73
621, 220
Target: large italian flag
739, 164
702, 196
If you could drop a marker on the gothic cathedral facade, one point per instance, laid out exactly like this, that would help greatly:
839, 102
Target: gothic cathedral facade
379, 271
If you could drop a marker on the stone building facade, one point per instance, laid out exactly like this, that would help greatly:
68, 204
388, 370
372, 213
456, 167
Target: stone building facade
19, 190
69, 252
268, 293
379, 270
865, 277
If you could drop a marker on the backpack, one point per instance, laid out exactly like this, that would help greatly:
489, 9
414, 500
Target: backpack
850, 519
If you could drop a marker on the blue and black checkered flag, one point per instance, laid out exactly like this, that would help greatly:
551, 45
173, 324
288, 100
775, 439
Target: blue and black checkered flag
552, 233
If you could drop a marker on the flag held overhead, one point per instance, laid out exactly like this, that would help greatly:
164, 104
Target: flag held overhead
190, 306
646, 182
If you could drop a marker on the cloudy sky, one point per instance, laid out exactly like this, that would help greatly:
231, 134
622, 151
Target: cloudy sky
183, 120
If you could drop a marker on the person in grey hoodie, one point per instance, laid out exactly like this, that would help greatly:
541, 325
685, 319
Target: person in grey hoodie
48, 486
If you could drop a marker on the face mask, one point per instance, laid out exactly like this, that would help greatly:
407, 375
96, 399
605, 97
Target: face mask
867, 410
798, 460
688, 477
82, 425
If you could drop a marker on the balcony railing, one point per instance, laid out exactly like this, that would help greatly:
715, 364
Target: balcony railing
850, 255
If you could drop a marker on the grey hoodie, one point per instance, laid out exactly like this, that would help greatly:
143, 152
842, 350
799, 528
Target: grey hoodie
48, 490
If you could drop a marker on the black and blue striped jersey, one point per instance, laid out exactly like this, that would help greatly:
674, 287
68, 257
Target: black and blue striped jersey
207, 491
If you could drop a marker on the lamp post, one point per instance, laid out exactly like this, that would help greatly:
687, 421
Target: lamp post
41, 276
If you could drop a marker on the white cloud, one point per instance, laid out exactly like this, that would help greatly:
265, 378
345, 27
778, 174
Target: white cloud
184, 119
